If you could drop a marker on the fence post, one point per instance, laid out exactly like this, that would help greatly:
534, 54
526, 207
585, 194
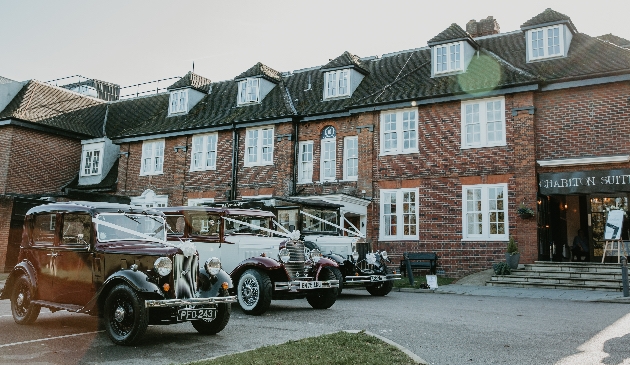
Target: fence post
624, 275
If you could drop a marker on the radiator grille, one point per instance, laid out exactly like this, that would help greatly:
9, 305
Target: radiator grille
296, 262
185, 275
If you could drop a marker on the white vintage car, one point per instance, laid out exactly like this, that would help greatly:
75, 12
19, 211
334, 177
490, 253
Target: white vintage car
266, 264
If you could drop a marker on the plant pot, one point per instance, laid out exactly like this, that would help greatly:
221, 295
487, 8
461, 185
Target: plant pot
526, 215
512, 260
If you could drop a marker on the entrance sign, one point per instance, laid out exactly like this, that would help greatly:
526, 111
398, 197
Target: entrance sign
432, 281
614, 225
586, 182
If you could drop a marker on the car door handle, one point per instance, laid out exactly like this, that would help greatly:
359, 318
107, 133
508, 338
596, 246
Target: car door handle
54, 254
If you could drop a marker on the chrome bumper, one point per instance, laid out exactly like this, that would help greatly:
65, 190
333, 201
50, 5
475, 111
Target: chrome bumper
371, 278
164, 303
302, 285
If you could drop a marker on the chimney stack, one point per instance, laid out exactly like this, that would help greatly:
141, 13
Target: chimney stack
483, 27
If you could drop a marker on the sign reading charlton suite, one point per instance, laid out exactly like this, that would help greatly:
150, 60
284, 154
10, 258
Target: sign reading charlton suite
586, 182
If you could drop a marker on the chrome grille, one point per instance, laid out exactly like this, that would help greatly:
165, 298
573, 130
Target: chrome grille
296, 262
185, 276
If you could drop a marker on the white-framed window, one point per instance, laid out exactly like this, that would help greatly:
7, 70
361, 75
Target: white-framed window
399, 132
328, 155
485, 212
351, 158
204, 152
305, 166
152, 157
199, 202
259, 146
399, 214
178, 102
149, 199
249, 91
92, 159
448, 57
483, 123
336, 83
545, 42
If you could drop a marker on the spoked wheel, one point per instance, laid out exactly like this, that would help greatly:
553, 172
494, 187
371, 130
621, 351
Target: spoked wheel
254, 292
126, 319
24, 312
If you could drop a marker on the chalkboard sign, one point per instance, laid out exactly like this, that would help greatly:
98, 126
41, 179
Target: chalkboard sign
432, 281
614, 224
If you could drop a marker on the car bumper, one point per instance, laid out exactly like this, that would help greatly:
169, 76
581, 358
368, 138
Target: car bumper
371, 278
305, 285
166, 303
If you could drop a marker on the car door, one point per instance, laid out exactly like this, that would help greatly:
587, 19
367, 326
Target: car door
41, 251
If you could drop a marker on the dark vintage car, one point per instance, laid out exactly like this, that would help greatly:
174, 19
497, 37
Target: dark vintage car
266, 264
114, 261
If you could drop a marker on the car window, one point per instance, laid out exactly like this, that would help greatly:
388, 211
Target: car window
202, 224
43, 234
176, 224
76, 230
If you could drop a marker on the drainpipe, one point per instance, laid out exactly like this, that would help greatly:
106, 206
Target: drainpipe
234, 164
296, 156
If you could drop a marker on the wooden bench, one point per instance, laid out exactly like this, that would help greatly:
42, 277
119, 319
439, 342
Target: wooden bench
418, 261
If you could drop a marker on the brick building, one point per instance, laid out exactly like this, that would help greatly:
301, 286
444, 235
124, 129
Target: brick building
430, 149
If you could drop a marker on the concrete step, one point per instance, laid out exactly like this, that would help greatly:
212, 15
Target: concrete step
573, 267
557, 281
547, 286
569, 274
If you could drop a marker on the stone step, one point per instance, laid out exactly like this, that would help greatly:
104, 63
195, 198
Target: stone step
569, 274
557, 281
573, 267
548, 286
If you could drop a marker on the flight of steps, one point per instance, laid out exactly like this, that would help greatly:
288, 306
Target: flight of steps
557, 275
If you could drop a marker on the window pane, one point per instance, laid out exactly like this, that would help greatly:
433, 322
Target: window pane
267, 145
252, 146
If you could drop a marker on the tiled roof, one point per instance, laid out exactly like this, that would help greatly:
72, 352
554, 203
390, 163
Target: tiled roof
4, 80
192, 80
453, 32
346, 59
621, 42
55, 107
261, 70
546, 17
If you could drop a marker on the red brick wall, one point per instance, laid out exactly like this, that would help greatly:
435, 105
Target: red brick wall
6, 207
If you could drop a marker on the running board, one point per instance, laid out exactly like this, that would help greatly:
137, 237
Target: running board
58, 306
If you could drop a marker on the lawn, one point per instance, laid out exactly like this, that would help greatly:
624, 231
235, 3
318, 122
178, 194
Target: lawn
340, 348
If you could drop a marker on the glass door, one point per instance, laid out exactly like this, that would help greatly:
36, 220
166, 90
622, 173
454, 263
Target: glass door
600, 206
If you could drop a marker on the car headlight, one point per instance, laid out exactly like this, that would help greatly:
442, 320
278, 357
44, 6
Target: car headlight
213, 265
370, 258
315, 255
163, 266
384, 255
355, 255
284, 255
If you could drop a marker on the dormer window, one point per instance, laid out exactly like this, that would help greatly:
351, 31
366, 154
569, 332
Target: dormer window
92, 159
545, 42
178, 102
448, 57
249, 91
337, 83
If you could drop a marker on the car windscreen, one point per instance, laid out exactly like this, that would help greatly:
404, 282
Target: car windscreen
122, 226
310, 224
251, 226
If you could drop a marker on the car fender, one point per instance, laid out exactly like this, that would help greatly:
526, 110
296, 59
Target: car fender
24, 267
210, 285
261, 263
322, 263
336, 258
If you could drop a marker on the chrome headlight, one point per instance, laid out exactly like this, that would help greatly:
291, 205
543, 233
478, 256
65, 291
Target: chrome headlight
213, 265
370, 258
163, 266
284, 255
315, 255
384, 255
355, 255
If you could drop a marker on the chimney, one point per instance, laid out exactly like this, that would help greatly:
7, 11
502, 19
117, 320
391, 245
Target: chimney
483, 27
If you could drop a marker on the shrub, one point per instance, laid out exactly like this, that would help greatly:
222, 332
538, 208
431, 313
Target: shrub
501, 268
512, 248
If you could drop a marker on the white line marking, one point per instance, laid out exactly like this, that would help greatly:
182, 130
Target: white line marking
49, 338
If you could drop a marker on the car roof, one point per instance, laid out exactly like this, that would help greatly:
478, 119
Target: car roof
224, 211
92, 208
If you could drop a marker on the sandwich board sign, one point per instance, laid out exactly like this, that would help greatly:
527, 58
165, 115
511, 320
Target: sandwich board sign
614, 224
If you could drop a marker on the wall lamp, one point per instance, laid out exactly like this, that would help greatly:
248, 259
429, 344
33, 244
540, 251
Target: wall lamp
126, 154
183, 148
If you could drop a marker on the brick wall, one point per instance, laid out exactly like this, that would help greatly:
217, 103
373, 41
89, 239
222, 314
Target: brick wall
6, 207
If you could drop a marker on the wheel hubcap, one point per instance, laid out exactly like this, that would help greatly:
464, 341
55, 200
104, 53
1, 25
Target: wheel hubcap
249, 292
20, 299
119, 314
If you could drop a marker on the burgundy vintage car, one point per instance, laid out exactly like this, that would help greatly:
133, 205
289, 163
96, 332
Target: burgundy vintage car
267, 264
113, 260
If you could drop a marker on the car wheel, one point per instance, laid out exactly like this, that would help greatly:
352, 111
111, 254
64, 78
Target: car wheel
338, 276
383, 288
216, 325
254, 292
24, 312
323, 298
126, 319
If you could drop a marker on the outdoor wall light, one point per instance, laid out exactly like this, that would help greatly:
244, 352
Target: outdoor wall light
183, 148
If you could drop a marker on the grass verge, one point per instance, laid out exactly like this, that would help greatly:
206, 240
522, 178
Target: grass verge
418, 280
340, 348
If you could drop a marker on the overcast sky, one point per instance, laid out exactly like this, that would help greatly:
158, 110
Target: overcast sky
128, 42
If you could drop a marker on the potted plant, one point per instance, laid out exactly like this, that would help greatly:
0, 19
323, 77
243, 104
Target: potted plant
524, 211
512, 256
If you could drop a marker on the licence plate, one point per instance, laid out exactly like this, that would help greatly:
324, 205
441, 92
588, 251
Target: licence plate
310, 284
377, 278
194, 314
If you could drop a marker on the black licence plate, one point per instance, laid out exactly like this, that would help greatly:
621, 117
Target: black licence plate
197, 313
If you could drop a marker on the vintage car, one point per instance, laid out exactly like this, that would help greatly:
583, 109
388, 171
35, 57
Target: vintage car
319, 224
266, 264
113, 260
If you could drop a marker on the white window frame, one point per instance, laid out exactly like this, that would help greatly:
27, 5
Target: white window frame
148, 199
337, 84
204, 152
249, 91
545, 42
484, 208
259, 146
328, 159
351, 158
92, 155
448, 58
178, 102
476, 113
305, 164
152, 157
400, 215
403, 128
